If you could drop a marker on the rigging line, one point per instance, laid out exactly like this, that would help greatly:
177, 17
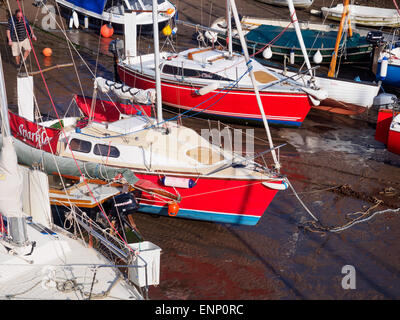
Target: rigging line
301, 202
52, 152
276, 38
71, 44
227, 89
16, 35
66, 138
260, 50
220, 190
62, 27
320, 31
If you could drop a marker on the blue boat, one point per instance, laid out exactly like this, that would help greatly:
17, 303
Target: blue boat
99, 12
388, 68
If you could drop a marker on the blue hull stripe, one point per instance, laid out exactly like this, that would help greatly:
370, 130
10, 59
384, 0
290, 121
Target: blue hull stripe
203, 215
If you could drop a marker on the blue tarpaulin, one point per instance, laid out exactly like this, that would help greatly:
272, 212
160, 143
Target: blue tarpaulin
96, 6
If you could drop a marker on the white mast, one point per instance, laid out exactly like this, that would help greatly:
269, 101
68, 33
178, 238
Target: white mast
157, 62
4, 104
229, 25
253, 80
293, 18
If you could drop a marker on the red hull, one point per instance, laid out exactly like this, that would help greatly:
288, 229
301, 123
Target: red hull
280, 108
385, 117
393, 144
219, 200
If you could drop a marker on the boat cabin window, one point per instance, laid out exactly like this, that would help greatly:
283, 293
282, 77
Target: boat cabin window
80, 145
192, 73
141, 4
106, 151
147, 3
115, 6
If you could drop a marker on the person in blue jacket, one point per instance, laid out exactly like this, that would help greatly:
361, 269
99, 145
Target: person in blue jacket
18, 37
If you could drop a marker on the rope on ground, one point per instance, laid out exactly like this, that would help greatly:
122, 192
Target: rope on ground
317, 227
298, 198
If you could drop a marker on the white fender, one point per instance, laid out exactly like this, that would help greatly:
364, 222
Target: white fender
71, 22
207, 89
384, 67
76, 19
212, 36
319, 94
267, 53
86, 22
291, 58
314, 101
276, 186
317, 58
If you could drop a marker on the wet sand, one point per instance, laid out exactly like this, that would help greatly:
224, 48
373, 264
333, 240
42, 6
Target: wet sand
333, 162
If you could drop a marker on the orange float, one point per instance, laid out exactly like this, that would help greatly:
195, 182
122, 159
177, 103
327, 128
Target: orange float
170, 11
107, 30
47, 52
173, 209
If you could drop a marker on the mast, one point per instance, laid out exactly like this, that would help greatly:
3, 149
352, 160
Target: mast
157, 62
128, 5
4, 104
332, 66
253, 80
229, 27
293, 18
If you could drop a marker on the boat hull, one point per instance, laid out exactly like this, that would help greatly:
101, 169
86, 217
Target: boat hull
351, 55
345, 96
223, 199
218, 200
289, 109
296, 3
393, 144
365, 15
385, 117
96, 23
392, 76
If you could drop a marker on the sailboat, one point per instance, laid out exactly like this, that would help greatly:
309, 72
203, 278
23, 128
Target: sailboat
344, 96
94, 13
214, 82
39, 260
205, 181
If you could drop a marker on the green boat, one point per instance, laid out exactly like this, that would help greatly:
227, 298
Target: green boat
283, 39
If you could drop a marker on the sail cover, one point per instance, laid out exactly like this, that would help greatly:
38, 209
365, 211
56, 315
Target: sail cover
96, 6
34, 135
140, 96
312, 38
107, 110
10, 181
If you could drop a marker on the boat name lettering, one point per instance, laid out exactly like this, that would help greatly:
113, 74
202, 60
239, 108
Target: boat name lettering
39, 137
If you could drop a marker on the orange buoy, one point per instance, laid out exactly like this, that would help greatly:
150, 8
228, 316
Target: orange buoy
107, 30
47, 52
170, 11
173, 209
